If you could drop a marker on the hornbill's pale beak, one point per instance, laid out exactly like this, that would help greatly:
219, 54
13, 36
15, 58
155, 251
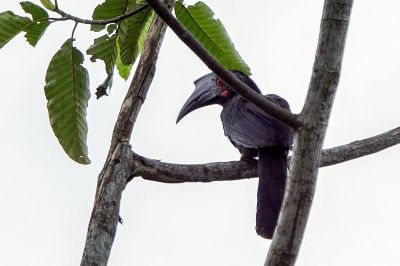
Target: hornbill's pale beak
206, 92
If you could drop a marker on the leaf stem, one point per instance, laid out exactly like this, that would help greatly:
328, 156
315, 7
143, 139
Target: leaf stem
73, 31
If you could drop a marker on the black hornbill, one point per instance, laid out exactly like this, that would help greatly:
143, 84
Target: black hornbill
254, 133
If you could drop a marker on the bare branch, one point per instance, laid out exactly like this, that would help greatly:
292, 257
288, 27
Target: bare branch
117, 168
304, 165
155, 170
249, 94
360, 148
66, 16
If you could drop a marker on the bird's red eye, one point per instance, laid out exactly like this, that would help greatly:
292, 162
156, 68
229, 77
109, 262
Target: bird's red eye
221, 86
219, 82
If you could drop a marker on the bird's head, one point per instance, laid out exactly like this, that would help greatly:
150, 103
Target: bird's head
211, 89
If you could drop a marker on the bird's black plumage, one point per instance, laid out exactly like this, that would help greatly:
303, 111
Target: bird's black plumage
254, 133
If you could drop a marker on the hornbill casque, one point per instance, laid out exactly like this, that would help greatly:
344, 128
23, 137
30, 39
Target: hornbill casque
255, 134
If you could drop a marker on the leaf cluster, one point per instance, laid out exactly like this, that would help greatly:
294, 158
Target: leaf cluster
118, 46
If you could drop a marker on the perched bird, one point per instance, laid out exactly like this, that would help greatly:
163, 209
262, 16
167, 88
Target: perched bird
254, 133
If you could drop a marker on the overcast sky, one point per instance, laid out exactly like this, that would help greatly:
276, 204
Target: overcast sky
46, 198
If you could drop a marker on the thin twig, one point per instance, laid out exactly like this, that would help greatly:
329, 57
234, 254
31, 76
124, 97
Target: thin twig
53, 19
66, 16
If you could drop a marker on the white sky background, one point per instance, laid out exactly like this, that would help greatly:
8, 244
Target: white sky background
46, 199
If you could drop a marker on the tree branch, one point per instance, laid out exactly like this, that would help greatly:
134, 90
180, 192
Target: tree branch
360, 148
247, 93
117, 168
66, 16
155, 170
304, 165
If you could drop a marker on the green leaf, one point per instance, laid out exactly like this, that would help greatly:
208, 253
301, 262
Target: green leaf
198, 19
11, 25
36, 11
123, 70
111, 28
48, 4
67, 93
39, 25
108, 9
132, 33
104, 48
123, 47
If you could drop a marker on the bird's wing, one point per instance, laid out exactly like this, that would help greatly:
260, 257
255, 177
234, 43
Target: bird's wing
248, 126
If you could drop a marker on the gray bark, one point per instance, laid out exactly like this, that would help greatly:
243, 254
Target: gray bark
309, 138
117, 168
156, 170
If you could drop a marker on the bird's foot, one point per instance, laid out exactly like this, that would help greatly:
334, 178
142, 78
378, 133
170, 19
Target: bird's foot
246, 158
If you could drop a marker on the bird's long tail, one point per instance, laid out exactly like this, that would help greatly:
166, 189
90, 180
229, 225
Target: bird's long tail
272, 172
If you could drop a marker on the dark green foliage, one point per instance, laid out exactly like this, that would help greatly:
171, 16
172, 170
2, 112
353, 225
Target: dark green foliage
67, 93
210, 32
39, 24
11, 25
120, 43
104, 49
132, 34
124, 40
